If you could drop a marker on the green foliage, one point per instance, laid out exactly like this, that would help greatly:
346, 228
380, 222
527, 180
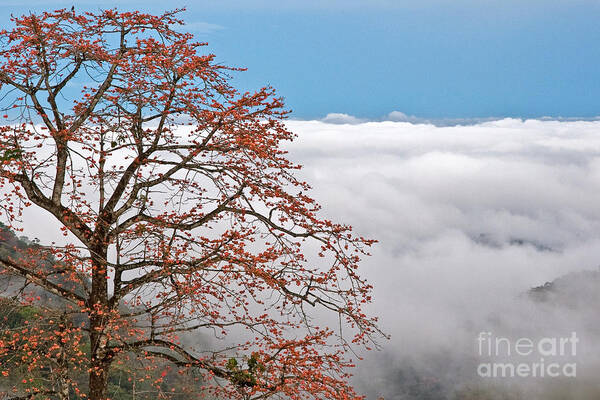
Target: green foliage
13, 316
11, 154
245, 377
232, 364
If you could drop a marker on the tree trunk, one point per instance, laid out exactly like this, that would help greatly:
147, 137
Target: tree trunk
98, 379
99, 363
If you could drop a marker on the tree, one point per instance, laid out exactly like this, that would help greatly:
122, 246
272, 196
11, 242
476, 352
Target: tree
182, 218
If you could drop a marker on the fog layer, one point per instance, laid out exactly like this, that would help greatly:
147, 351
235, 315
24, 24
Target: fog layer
469, 218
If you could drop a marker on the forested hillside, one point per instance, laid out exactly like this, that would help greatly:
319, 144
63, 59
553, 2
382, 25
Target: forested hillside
23, 328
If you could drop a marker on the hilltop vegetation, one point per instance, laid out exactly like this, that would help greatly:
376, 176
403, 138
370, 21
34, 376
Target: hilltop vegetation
22, 324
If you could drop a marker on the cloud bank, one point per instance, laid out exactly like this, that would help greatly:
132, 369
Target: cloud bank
468, 218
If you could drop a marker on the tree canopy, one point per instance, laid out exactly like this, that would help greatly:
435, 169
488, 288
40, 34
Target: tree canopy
182, 215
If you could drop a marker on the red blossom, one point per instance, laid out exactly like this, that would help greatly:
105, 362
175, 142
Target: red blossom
183, 213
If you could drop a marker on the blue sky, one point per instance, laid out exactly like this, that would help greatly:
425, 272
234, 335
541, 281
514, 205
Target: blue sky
432, 59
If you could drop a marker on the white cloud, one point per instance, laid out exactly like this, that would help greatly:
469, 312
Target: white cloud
202, 27
399, 116
468, 218
341, 118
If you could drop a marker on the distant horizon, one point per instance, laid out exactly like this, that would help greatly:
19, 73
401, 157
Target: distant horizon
344, 118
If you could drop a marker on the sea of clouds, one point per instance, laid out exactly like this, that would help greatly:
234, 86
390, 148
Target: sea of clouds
468, 218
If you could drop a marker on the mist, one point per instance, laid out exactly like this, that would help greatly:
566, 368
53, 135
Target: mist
469, 219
